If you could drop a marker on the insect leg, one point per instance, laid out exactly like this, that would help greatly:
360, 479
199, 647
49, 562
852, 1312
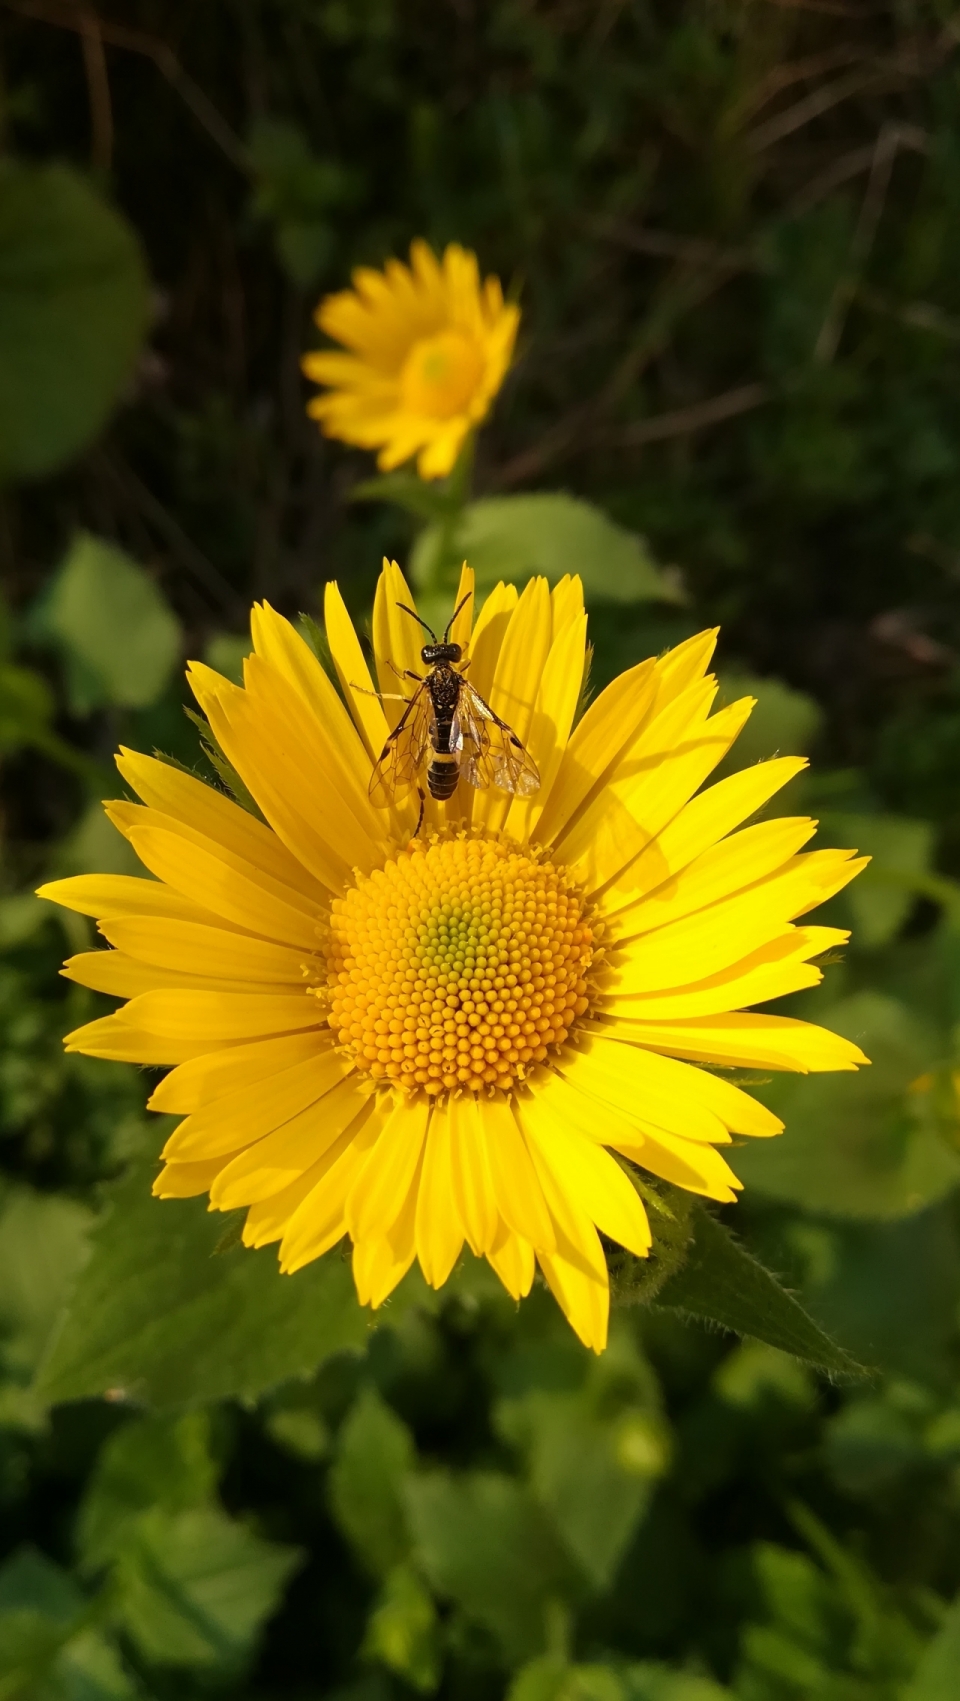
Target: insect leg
423, 804
385, 696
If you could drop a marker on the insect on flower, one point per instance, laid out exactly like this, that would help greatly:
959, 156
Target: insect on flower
449, 725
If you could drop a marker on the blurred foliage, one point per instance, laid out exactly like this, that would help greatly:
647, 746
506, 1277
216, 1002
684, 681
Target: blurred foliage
733, 230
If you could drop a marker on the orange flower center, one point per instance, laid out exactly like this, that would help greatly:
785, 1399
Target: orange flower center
460, 964
440, 375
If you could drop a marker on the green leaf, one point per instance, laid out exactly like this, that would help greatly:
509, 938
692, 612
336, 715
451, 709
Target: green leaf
426, 501
193, 1588
784, 722
156, 1314
151, 1461
120, 639
864, 1143
722, 1283
43, 1240
26, 706
880, 900
594, 1454
375, 1452
297, 190
89, 1668
48, 1648
482, 1540
73, 311
513, 537
936, 1676
403, 1631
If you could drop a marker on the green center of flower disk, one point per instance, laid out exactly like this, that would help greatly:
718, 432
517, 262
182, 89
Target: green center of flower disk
461, 963
441, 374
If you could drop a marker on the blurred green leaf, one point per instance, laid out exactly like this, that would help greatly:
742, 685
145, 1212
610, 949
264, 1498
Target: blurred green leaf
26, 706
151, 1461
403, 1630
298, 191
722, 1283
118, 635
594, 1455
43, 1244
880, 900
193, 1588
483, 1541
512, 537
375, 1451
784, 722
426, 500
226, 652
937, 1677
73, 312
155, 1313
48, 1648
865, 1143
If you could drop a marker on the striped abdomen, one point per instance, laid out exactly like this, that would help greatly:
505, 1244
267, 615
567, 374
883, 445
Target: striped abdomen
443, 770
442, 776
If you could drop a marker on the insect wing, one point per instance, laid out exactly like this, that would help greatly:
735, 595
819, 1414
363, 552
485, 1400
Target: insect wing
492, 752
403, 754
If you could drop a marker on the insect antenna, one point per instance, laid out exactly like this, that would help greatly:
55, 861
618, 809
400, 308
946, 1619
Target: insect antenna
415, 616
461, 604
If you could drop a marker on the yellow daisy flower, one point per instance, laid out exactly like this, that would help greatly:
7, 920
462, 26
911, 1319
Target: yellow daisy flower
424, 1041
429, 347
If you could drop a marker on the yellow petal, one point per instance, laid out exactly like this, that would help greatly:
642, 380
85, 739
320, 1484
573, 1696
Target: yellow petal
439, 1231
320, 1220
216, 1073
553, 714
748, 1042
183, 946
241, 897
488, 635
211, 1019
122, 894
207, 811
353, 673
735, 863
397, 638
512, 1258
472, 1182
381, 1189
706, 819
236, 1119
772, 971
639, 1075
120, 976
649, 787
609, 726
516, 1188
632, 1082
726, 932
585, 1172
125, 1042
583, 1299
271, 1164
577, 1239
697, 1169
516, 683
462, 626
186, 1181
265, 765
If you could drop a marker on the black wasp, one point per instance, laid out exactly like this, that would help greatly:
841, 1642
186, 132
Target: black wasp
448, 725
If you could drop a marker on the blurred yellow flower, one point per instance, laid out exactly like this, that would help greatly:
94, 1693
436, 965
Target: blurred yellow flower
429, 347
418, 1042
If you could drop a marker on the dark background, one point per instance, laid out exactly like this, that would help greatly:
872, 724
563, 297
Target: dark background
734, 230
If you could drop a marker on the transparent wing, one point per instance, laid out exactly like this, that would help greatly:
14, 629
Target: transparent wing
492, 752
402, 756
